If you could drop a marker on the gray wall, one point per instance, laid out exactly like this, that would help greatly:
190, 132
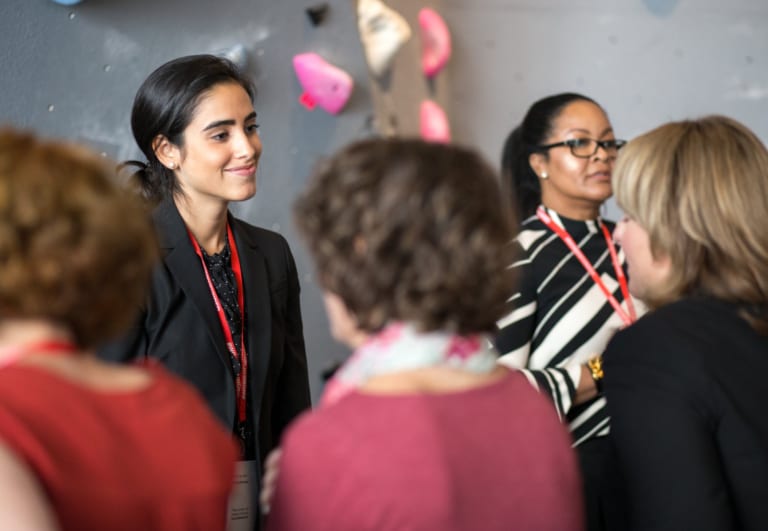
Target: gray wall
72, 72
645, 61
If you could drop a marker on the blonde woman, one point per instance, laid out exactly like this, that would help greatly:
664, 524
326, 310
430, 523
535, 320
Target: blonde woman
686, 384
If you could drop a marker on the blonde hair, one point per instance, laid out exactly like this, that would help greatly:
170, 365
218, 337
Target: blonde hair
75, 248
700, 189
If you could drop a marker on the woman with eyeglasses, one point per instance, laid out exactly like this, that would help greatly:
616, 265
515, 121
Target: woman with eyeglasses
573, 293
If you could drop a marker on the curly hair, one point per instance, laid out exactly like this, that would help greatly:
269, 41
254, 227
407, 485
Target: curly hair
75, 248
406, 230
700, 189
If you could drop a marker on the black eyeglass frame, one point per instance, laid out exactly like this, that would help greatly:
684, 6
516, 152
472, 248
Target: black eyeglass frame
571, 143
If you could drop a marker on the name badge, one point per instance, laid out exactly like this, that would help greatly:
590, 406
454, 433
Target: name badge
241, 515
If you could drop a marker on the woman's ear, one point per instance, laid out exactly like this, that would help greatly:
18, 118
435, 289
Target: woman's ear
344, 324
166, 152
539, 163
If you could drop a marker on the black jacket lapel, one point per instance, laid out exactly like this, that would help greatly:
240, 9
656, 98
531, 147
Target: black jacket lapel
185, 266
259, 315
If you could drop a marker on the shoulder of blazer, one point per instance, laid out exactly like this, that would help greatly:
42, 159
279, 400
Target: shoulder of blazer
172, 233
268, 248
171, 230
271, 244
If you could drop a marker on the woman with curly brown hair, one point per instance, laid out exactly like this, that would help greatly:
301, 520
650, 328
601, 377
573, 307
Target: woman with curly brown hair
411, 242
85, 445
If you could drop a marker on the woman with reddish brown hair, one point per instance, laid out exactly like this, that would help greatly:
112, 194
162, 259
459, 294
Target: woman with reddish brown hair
86, 445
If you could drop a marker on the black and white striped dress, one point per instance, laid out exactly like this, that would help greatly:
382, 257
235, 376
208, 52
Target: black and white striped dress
560, 317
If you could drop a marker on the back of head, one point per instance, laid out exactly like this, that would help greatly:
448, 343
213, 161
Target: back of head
700, 189
403, 230
75, 249
519, 181
165, 105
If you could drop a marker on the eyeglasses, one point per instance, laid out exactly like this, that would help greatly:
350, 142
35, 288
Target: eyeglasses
586, 147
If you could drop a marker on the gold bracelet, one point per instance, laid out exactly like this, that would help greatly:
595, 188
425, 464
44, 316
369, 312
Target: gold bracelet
595, 365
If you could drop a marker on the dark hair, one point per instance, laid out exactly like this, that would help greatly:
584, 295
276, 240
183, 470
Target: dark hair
165, 104
412, 231
75, 248
519, 181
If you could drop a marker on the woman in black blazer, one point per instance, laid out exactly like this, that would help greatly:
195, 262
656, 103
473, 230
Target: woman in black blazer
685, 384
223, 311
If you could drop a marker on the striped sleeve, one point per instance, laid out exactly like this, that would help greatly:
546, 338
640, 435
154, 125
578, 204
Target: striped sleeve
515, 330
515, 335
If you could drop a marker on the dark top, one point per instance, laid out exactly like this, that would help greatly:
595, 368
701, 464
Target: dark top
686, 395
219, 267
180, 327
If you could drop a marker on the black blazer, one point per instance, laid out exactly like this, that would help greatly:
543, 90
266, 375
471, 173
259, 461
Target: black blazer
180, 327
686, 392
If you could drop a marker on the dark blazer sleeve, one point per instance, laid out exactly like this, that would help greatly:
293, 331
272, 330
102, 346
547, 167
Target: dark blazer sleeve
129, 347
293, 395
134, 343
285, 392
662, 429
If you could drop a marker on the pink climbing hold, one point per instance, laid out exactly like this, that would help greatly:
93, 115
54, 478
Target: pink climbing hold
435, 40
434, 126
324, 84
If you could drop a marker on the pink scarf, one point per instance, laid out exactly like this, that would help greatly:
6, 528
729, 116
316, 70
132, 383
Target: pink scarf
400, 347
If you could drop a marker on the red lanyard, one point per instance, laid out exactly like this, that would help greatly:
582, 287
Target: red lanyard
241, 378
43, 347
628, 318
12, 353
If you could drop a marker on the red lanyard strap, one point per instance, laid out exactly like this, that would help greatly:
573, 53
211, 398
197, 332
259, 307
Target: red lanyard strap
12, 353
241, 378
50, 347
628, 318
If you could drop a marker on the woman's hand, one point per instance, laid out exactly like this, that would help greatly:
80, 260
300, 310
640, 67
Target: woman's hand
269, 481
587, 390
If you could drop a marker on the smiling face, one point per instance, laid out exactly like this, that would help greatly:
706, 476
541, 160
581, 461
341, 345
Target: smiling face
576, 187
648, 275
220, 153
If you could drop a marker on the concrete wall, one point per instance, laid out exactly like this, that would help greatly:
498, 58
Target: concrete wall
645, 61
72, 72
